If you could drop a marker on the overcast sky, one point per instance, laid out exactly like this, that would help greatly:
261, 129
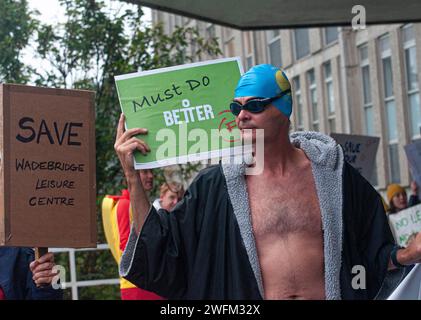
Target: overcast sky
51, 12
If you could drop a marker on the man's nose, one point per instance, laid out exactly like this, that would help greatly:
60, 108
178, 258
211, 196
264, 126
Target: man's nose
244, 115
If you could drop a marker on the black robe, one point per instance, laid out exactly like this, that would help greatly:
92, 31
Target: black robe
197, 252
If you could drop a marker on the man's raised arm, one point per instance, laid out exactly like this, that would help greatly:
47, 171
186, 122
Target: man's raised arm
125, 145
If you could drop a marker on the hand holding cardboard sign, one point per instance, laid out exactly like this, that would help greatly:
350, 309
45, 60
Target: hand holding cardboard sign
42, 270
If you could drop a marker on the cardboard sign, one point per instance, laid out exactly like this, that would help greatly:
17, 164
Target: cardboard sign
47, 179
405, 223
185, 109
413, 154
359, 151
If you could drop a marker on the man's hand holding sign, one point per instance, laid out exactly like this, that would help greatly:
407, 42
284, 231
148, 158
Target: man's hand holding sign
125, 145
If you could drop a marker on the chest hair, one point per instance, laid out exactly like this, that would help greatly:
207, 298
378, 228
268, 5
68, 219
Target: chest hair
284, 206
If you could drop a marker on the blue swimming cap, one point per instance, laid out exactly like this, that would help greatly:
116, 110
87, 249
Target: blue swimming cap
266, 81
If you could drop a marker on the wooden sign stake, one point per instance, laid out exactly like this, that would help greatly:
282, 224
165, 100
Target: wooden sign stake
39, 252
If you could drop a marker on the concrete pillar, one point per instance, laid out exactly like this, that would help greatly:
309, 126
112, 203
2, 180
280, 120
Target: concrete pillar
350, 81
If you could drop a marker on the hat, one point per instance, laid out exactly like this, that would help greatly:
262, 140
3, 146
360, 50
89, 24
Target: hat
266, 81
392, 190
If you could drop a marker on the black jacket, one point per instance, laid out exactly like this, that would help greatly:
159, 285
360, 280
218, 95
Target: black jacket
197, 252
16, 277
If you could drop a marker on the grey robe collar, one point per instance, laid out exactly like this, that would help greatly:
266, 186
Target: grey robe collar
327, 162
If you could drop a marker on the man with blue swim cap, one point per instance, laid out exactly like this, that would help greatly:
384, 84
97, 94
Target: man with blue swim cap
267, 82
294, 231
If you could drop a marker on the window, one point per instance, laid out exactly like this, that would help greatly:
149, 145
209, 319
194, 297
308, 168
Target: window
229, 47
248, 48
170, 24
228, 33
389, 103
302, 43
193, 49
185, 20
367, 101
330, 96
299, 103
248, 42
178, 21
387, 77
312, 89
394, 162
210, 31
412, 85
249, 62
272, 33
366, 91
331, 35
274, 47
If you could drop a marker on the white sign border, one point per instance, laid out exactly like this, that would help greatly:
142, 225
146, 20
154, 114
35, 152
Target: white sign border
180, 67
181, 159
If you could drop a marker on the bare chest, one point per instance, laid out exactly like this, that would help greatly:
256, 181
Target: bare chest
284, 206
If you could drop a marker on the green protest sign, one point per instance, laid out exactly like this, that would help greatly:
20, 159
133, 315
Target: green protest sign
185, 109
405, 224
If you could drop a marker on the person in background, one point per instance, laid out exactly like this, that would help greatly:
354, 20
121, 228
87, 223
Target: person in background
123, 215
117, 219
398, 199
169, 195
147, 178
24, 278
